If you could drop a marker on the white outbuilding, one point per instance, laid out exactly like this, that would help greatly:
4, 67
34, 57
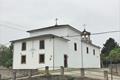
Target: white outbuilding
55, 46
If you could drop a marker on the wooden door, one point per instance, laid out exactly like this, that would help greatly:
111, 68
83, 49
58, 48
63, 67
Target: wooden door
65, 61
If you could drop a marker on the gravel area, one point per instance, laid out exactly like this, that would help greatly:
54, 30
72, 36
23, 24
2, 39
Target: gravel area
57, 77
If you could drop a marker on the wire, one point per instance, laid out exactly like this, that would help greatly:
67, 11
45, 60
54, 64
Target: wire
94, 33
7, 22
105, 32
6, 43
12, 27
80, 35
61, 36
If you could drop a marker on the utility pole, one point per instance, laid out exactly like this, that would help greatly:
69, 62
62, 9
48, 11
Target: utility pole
81, 55
82, 63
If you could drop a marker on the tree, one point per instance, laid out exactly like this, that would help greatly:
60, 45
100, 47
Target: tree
6, 56
107, 47
114, 55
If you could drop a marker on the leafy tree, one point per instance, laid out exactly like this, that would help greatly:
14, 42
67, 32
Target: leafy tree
6, 56
107, 47
114, 55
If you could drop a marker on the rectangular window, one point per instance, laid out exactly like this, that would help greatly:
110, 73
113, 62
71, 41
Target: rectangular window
93, 51
41, 58
42, 44
87, 49
23, 46
75, 46
23, 59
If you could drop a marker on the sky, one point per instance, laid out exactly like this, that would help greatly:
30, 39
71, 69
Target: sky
18, 16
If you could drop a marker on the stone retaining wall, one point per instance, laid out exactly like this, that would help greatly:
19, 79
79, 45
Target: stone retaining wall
8, 73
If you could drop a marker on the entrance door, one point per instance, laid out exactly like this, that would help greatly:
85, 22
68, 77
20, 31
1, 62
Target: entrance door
65, 61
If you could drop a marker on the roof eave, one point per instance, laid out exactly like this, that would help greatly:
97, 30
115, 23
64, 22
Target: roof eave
91, 44
66, 25
55, 26
47, 35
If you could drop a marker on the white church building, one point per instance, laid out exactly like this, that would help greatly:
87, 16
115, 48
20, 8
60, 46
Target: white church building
55, 46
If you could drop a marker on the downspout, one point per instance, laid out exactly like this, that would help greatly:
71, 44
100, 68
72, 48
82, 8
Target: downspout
32, 51
53, 53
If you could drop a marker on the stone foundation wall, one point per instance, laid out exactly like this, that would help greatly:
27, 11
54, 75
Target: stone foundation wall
8, 73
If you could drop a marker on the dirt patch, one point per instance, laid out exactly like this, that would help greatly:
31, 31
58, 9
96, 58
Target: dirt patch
57, 77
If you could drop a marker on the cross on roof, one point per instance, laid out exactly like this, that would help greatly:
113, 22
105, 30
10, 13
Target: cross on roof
56, 21
84, 25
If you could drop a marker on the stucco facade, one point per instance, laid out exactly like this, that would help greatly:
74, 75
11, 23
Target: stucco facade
56, 49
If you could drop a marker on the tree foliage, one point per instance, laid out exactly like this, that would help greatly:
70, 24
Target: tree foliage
6, 56
109, 45
114, 55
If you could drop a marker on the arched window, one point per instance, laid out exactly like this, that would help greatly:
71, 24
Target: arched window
75, 46
87, 50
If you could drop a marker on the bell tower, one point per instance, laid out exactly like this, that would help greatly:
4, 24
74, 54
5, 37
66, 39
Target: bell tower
86, 36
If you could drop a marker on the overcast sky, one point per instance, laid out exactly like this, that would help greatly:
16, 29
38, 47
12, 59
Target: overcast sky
22, 15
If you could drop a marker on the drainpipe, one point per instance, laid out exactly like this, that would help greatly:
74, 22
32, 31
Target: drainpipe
53, 53
32, 49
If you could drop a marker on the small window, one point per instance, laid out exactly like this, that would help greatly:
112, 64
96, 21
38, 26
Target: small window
87, 49
93, 51
75, 46
23, 46
42, 44
23, 59
41, 58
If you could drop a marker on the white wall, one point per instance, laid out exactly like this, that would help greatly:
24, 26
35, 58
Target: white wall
32, 57
74, 56
61, 47
90, 60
